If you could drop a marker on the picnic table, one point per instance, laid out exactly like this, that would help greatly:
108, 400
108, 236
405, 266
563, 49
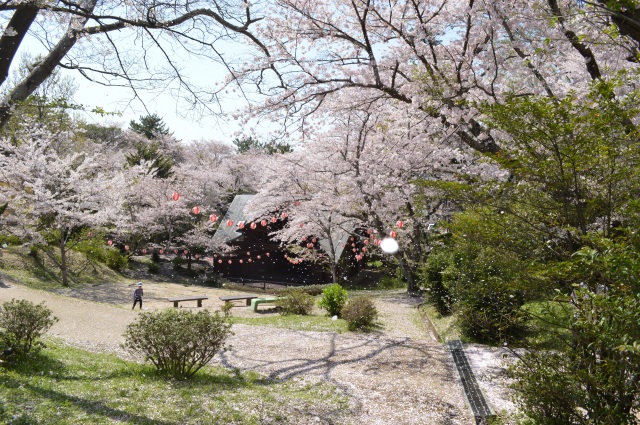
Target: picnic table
198, 298
246, 297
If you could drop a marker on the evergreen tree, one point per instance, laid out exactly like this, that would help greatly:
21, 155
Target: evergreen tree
150, 126
161, 165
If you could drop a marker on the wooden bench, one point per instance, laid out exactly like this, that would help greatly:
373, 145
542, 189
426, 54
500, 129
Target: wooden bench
248, 298
256, 301
198, 298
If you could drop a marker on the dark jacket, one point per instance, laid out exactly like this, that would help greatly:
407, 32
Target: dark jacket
138, 293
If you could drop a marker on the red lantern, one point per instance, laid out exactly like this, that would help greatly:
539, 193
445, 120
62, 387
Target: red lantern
399, 224
175, 196
258, 257
161, 252
109, 242
229, 223
248, 253
369, 231
185, 252
195, 210
144, 251
353, 245
126, 247
197, 256
253, 225
354, 250
175, 251
213, 218
301, 225
304, 238
393, 234
366, 241
241, 261
314, 240
297, 203
352, 238
364, 249
309, 245
267, 254
230, 261
219, 261
284, 215
274, 219
241, 225
250, 260
263, 223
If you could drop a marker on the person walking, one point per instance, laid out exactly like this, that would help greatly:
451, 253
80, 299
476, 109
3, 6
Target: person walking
137, 296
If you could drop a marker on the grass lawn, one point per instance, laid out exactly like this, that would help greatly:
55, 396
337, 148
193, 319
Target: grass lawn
445, 325
295, 322
18, 266
64, 385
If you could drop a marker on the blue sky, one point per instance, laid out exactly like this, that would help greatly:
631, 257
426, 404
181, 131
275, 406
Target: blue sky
184, 124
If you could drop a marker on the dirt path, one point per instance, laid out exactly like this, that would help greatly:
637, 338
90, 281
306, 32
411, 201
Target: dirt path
397, 376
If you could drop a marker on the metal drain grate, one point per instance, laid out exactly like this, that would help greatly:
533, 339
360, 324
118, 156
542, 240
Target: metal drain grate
478, 404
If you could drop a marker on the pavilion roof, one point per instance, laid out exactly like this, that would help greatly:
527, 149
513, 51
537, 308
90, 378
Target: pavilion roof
229, 234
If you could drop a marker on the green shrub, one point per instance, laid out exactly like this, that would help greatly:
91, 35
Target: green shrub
593, 375
309, 289
115, 260
489, 289
295, 301
22, 324
491, 313
178, 262
92, 247
391, 282
153, 268
177, 342
431, 275
226, 308
10, 240
590, 379
360, 313
333, 299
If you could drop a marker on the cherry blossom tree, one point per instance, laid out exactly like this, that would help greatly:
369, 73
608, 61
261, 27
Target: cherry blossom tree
437, 57
52, 194
364, 171
315, 231
174, 213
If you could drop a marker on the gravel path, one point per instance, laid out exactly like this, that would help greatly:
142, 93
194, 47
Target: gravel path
395, 376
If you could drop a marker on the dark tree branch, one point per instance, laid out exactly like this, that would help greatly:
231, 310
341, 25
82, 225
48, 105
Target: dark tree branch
20, 23
590, 60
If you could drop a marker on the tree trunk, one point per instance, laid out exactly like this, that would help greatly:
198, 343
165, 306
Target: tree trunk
20, 22
45, 67
334, 271
407, 272
64, 272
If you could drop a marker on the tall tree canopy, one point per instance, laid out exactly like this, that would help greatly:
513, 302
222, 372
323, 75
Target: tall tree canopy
438, 57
